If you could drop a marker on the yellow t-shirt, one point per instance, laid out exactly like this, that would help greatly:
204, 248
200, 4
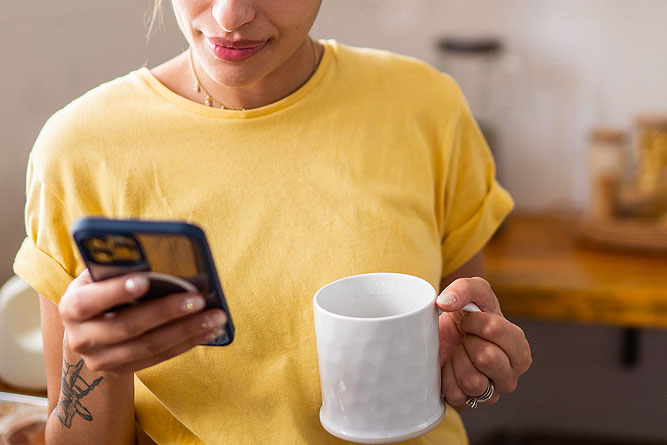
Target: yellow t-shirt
374, 165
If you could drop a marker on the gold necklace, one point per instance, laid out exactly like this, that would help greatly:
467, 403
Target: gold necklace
211, 101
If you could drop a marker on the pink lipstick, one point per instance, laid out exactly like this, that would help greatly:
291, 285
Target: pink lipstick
234, 50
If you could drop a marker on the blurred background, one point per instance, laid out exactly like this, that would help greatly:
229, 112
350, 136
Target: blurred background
570, 94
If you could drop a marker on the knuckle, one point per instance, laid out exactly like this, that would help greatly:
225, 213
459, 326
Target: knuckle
510, 386
472, 383
485, 358
464, 285
520, 334
527, 361
72, 306
479, 281
94, 364
492, 328
526, 358
77, 344
123, 329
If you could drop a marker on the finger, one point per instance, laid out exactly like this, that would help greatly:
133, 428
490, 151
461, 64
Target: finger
491, 361
155, 342
471, 381
131, 322
450, 335
169, 352
83, 278
84, 302
505, 334
468, 290
450, 387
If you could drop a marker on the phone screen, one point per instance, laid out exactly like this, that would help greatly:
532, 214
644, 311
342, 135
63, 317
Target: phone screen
167, 256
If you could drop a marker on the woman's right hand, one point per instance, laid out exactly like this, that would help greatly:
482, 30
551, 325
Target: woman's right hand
136, 337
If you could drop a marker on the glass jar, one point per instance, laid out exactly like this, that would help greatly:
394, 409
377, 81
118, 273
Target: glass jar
607, 161
474, 62
486, 74
652, 151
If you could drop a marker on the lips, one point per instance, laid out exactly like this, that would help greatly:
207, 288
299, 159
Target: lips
234, 50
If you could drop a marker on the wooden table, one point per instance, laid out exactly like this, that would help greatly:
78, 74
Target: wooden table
539, 269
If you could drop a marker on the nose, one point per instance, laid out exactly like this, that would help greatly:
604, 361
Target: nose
232, 14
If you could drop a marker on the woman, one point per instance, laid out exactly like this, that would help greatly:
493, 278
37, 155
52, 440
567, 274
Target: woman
304, 162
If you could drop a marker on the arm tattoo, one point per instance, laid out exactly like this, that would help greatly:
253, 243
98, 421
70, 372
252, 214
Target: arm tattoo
73, 389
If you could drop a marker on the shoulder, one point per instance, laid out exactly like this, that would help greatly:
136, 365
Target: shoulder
86, 120
376, 61
395, 76
95, 106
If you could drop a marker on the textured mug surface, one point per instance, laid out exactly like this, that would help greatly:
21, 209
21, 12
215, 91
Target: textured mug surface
377, 348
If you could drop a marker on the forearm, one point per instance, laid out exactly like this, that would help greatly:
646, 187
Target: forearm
93, 407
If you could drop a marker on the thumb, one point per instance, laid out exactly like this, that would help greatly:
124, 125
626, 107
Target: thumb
463, 291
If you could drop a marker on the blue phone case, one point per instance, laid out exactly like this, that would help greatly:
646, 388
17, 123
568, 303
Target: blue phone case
172, 252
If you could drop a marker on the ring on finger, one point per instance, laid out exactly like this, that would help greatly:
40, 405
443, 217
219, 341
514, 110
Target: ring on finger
472, 402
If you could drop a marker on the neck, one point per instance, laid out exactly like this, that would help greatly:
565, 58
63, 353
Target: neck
274, 86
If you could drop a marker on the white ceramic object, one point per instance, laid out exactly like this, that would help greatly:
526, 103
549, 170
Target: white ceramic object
21, 350
377, 347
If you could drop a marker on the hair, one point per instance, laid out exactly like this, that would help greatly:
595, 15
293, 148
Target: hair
154, 19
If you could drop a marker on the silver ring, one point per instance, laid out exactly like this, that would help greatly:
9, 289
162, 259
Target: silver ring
473, 401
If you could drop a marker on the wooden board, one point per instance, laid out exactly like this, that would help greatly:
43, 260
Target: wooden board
539, 270
626, 234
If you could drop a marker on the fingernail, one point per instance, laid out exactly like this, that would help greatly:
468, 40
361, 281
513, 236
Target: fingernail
447, 298
136, 284
214, 320
192, 304
217, 332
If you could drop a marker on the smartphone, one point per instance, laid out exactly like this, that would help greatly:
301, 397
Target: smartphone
175, 256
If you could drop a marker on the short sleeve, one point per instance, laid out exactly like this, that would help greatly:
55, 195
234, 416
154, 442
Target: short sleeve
46, 255
474, 203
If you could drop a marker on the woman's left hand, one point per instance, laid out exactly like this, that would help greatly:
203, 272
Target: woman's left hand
477, 347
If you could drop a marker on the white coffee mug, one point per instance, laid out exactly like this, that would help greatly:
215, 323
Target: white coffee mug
377, 348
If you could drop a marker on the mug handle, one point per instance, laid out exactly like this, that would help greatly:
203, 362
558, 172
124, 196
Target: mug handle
471, 307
